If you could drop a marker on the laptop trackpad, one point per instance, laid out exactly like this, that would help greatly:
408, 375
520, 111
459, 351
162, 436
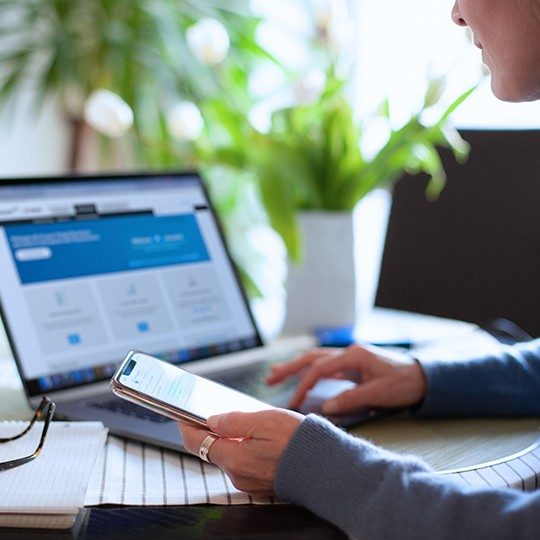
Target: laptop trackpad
326, 389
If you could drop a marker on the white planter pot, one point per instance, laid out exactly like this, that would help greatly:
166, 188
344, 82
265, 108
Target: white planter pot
336, 282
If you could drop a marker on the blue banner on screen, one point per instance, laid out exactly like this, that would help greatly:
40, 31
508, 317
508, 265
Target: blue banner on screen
45, 252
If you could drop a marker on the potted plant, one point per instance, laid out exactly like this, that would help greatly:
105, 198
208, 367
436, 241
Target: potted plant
312, 173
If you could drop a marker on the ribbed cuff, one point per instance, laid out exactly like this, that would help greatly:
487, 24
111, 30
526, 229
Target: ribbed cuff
439, 391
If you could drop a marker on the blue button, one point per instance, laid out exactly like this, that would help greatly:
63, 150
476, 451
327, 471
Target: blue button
74, 339
143, 327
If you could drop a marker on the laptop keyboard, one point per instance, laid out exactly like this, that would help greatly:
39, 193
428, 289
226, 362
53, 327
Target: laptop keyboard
122, 406
252, 380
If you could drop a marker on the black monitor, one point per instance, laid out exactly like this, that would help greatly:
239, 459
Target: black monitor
474, 254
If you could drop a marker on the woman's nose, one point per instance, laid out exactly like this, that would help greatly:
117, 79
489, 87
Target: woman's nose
456, 15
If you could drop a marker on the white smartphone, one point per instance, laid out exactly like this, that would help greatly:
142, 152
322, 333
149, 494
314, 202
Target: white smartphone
174, 392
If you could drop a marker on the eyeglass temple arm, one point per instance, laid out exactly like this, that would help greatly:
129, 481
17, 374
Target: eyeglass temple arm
47, 422
21, 461
44, 402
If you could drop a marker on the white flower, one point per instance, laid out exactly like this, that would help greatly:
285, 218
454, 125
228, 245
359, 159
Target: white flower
309, 86
184, 121
209, 41
108, 113
332, 21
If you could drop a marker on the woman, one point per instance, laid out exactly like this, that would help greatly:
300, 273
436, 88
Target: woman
364, 490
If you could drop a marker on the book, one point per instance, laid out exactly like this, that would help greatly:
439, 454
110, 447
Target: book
49, 491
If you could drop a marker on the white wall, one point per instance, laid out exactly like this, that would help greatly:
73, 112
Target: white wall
32, 144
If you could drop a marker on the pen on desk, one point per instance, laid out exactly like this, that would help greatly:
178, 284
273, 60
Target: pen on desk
408, 345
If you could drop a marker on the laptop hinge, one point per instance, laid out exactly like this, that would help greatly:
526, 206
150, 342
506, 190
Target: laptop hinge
283, 347
80, 392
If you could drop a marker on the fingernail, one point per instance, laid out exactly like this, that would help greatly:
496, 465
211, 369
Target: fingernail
330, 407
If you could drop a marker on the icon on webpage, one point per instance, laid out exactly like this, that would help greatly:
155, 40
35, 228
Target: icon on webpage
74, 339
143, 327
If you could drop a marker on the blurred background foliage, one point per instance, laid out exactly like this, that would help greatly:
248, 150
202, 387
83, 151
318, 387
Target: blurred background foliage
311, 156
139, 50
183, 84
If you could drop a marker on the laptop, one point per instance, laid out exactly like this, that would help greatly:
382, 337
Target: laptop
91, 267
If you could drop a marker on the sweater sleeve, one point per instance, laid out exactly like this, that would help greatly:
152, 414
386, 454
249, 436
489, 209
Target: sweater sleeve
371, 493
504, 385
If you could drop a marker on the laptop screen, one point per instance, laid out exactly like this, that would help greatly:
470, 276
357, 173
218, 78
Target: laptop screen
93, 267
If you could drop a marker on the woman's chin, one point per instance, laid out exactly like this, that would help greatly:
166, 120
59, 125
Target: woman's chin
512, 91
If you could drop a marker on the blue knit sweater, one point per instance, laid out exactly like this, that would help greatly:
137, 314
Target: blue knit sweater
371, 493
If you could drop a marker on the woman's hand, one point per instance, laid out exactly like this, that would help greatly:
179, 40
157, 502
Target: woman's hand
385, 379
250, 446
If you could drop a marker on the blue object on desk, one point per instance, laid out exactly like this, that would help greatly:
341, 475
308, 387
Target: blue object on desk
343, 336
336, 336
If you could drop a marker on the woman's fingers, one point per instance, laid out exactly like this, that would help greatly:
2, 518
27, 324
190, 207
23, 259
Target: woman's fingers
363, 396
352, 359
235, 426
281, 372
193, 436
401, 386
239, 425
248, 447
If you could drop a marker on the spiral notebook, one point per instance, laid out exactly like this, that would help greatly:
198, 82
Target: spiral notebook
49, 491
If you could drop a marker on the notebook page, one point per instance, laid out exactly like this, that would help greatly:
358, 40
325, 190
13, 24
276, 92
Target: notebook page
56, 481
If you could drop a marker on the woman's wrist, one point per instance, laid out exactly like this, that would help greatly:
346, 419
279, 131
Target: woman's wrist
418, 383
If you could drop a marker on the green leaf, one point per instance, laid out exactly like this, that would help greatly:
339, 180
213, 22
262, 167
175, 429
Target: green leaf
429, 162
384, 109
252, 288
9, 85
275, 194
281, 182
460, 148
455, 104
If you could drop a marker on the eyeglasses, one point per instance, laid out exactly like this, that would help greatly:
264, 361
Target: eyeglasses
46, 405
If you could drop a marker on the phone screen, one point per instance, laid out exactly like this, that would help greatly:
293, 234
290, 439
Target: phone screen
183, 390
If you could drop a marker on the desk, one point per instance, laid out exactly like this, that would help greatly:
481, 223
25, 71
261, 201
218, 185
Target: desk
197, 522
481, 452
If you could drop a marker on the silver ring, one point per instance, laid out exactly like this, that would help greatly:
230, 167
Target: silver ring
207, 443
